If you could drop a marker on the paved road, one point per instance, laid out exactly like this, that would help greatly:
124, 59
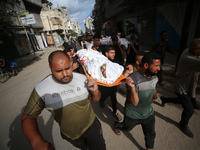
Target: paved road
15, 92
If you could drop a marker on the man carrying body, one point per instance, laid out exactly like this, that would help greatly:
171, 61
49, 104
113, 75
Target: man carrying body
89, 41
160, 47
186, 83
133, 49
65, 95
140, 91
110, 91
119, 52
96, 43
69, 50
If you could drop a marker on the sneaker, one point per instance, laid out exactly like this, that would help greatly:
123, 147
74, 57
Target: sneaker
102, 105
163, 101
186, 130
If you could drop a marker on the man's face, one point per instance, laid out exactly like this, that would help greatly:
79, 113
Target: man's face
118, 34
72, 51
61, 69
153, 68
96, 42
88, 38
164, 36
197, 49
70, 55
111, 54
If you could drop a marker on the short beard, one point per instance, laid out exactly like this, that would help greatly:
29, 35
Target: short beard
61, 79
149, 73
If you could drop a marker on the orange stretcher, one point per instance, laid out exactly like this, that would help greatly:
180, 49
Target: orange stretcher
120, 80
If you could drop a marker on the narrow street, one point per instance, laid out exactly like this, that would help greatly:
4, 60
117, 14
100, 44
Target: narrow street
15, 92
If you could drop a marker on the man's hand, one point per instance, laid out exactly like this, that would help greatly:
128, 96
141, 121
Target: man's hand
132, 95
93, 87
129, 81
128, 70
75, 65
92, 84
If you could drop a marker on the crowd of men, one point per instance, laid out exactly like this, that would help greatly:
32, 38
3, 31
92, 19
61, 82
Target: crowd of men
67, 93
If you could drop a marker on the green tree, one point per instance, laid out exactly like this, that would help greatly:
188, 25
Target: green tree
73, 33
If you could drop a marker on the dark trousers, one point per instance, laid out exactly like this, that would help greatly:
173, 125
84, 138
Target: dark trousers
109, 91
91, 139
148, 127
186, 103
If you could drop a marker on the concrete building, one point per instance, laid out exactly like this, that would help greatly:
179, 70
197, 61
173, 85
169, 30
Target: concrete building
89, 27
149, 17
57, 23
75, 26
26, 26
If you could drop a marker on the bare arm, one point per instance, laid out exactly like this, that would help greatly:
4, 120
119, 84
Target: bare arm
30, 129
93, 87
155, 95
128, 70
136, 51
128, 51
132, 96
122, 51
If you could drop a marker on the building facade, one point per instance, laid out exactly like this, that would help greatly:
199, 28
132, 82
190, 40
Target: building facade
26, 26
89, 27
149, 17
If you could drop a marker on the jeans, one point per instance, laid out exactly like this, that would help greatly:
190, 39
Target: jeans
91, 139
148, 127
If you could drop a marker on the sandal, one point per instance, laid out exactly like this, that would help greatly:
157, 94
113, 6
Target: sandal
117, 131
118, 117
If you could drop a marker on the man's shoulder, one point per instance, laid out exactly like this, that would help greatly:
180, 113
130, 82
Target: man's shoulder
79, 76
136, 75
43, 82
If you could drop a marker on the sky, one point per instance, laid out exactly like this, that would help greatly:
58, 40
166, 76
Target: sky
79, 10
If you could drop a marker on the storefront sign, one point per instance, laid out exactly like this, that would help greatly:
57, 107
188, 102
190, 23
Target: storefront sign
28, 19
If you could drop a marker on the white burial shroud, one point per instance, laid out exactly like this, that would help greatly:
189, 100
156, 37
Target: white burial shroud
93, 60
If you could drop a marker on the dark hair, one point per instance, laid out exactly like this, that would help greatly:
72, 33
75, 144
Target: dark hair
107, 49
54, 53
141, 53
68, 48
114, 38
149, 57
194, 45
162, 32
98, 36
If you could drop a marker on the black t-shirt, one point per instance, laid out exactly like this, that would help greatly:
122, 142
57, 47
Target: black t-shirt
131, 56
118, 54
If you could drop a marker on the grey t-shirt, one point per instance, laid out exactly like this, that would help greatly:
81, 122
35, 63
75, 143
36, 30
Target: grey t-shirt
145, 88
188, 74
